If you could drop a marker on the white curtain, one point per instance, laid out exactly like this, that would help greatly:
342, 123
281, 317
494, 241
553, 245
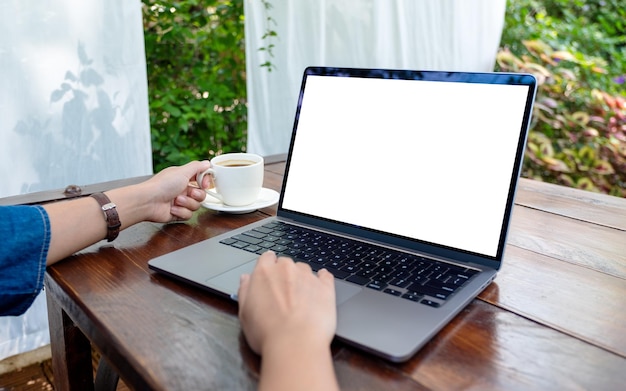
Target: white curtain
416, 34
73, 109
73, 96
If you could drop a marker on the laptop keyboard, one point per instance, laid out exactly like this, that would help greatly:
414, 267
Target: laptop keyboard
409, 276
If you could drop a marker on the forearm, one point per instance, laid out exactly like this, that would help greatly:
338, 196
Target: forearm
297, 366
79, 223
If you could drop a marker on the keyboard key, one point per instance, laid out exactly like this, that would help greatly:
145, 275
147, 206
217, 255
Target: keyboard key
334, 264
412, 296
253, 248
383, 277
383, 269
343, 251
337, 257
429, 290
352, 261
467, 273
430, 303
239, 244
388, 263
369, 265
337, 273
377, 285
401, 274
457, 281
298, 245
292, 252
445, 287
418, 279
366, 273
310, 249
319, 259
392, 292
358, 279
255, 234
264, 230
406, 260
400, 283
439, 268
454, 269
247, 239
298, 259
351, 269
408, 266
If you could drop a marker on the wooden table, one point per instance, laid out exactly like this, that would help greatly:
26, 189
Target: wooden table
555, 317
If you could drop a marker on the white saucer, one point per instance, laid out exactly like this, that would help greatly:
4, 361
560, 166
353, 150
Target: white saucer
267, 197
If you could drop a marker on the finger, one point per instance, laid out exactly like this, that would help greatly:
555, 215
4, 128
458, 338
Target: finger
242, 292
328, 281
195, 167
187, 202
180, 213
304, 267
285, 260
267, 258
195, 193
207, 182
326, 276
206, 179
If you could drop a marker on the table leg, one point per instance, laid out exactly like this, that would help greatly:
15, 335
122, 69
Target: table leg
71, 351
106, 377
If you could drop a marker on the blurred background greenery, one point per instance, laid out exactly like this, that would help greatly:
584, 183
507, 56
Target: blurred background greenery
577, 49
195, 54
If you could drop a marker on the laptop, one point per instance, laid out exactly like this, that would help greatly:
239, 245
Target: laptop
399, 182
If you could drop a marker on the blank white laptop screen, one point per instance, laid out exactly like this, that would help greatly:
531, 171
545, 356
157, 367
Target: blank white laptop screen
419, 159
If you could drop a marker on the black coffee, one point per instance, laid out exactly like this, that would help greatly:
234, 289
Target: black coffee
235, 163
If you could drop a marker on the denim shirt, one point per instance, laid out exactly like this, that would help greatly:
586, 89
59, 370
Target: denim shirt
25, 239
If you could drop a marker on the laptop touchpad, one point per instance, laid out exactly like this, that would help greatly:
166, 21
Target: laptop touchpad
228, 282
344, 291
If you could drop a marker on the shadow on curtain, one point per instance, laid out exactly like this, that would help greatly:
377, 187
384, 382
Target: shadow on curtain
74, 109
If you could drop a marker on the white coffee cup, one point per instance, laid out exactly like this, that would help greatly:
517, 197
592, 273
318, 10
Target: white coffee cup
238, 178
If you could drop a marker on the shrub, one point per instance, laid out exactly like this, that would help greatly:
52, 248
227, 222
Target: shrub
593, 31
578, 133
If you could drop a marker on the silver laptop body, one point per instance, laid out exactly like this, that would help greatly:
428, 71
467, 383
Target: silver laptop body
420, 165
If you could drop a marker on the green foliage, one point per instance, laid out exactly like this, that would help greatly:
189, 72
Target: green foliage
195, 53
268, 35
578, 134
593, 31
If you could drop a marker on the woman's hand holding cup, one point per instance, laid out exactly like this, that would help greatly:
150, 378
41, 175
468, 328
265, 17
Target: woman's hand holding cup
238, 178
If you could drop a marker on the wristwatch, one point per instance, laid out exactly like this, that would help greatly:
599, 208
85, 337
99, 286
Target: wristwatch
110, 215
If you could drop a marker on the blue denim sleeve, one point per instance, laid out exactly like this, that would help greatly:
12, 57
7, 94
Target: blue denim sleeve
25, 239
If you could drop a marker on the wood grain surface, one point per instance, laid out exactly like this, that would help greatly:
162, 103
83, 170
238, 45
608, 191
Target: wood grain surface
553, 319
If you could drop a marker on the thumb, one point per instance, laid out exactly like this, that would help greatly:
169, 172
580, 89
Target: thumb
244, 282
195, 167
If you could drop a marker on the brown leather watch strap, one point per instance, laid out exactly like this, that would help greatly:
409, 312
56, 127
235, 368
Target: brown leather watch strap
110, 215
